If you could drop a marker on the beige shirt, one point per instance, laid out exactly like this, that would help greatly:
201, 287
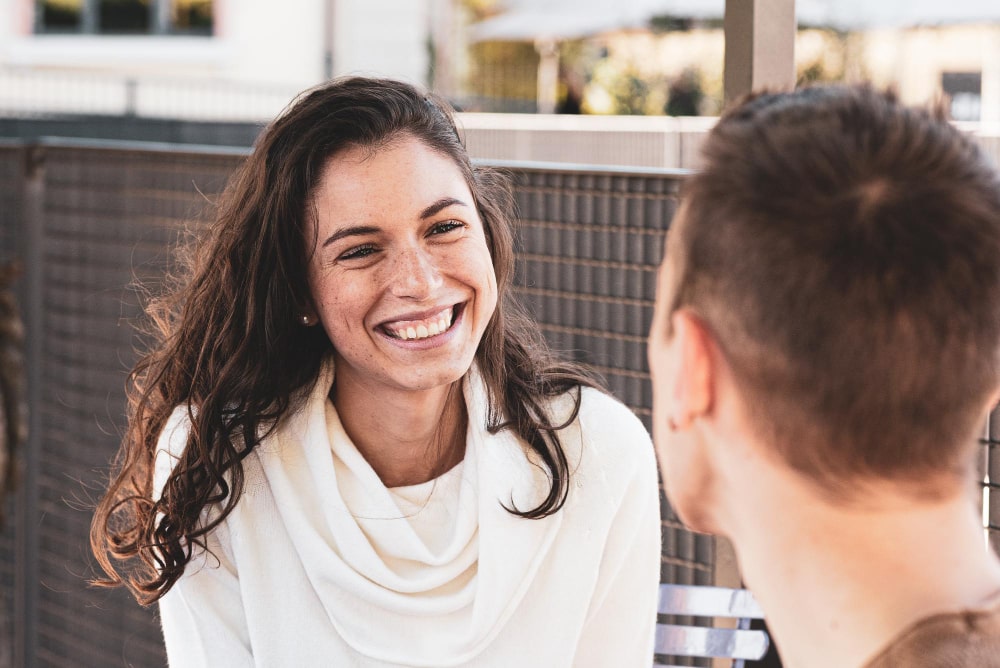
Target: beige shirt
969, 638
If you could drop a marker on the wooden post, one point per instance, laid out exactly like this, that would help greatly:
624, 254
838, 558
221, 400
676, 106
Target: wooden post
760, 46
447, 39
329, 22
548, 75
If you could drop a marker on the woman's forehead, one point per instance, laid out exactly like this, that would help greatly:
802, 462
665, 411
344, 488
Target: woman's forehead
405, 161
397, 181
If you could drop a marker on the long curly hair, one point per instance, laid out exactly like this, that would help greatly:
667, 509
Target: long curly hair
229, 346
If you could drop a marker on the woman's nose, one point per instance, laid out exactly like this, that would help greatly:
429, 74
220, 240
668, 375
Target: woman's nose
415, 274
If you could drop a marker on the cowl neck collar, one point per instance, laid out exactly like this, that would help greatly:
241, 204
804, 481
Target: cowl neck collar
369, 567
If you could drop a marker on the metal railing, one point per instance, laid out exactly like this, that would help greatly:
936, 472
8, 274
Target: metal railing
30, 93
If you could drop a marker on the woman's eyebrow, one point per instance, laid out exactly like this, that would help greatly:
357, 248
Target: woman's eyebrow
361, 230
439, 205
349, 232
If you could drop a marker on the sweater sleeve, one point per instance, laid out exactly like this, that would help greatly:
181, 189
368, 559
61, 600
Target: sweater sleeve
202, 615
621, 623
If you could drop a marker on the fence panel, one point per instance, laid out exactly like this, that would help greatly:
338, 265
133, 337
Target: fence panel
11, 166
11, 159
110, 219
589, 245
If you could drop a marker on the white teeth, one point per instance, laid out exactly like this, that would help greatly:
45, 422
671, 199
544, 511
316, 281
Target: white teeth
425, 329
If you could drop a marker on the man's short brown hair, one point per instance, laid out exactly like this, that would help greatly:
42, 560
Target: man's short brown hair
845, 252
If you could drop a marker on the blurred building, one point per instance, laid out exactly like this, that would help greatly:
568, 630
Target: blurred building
210, 58
957, 62
632, 56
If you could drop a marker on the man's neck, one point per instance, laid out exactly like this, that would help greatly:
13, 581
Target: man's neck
839, 583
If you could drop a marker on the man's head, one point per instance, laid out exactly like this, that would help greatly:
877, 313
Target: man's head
837, 263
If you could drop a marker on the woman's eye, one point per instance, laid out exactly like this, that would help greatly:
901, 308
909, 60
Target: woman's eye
446, 226
358, 252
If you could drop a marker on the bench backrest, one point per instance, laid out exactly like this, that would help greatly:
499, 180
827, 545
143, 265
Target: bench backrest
691, 640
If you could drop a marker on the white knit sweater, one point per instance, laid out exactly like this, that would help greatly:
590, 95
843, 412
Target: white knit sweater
322, 565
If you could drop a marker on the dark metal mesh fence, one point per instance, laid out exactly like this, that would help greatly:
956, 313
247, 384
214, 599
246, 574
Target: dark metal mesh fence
590, 243
104, 217
109, 219
589, 247
11, 161
106, 220
11, 158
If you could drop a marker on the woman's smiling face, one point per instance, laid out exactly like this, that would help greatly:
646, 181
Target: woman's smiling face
401, 277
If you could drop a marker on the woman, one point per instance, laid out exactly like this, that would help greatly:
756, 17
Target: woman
350, 448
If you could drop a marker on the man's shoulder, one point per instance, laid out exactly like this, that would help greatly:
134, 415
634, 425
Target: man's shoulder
963, 638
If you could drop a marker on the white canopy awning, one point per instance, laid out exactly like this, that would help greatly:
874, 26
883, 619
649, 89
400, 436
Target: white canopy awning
531, 20
867, 14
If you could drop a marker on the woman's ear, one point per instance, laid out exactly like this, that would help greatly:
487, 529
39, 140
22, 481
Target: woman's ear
693, 384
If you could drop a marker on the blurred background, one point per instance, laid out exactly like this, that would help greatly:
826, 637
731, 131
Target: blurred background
120, 121
240, 63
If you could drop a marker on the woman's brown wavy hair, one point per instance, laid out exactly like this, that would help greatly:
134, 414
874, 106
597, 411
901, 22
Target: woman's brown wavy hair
230, 348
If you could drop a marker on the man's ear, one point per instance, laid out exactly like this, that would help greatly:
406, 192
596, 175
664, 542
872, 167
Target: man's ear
694, 381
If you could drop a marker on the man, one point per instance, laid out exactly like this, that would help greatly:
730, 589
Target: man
825, 350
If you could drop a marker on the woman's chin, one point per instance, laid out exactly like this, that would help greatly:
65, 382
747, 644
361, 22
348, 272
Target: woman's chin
422, 380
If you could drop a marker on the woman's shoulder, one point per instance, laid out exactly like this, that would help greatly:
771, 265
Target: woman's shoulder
606, 416
170, 446
173, 438
609, 433
606, 420
609, 451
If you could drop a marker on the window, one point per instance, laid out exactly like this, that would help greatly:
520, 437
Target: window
124, 17
965, 91
60, 15
192, 15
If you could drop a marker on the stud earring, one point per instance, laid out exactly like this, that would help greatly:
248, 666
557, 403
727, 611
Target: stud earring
307, 321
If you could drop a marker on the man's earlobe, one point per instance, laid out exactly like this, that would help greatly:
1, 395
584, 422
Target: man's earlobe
693, 384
